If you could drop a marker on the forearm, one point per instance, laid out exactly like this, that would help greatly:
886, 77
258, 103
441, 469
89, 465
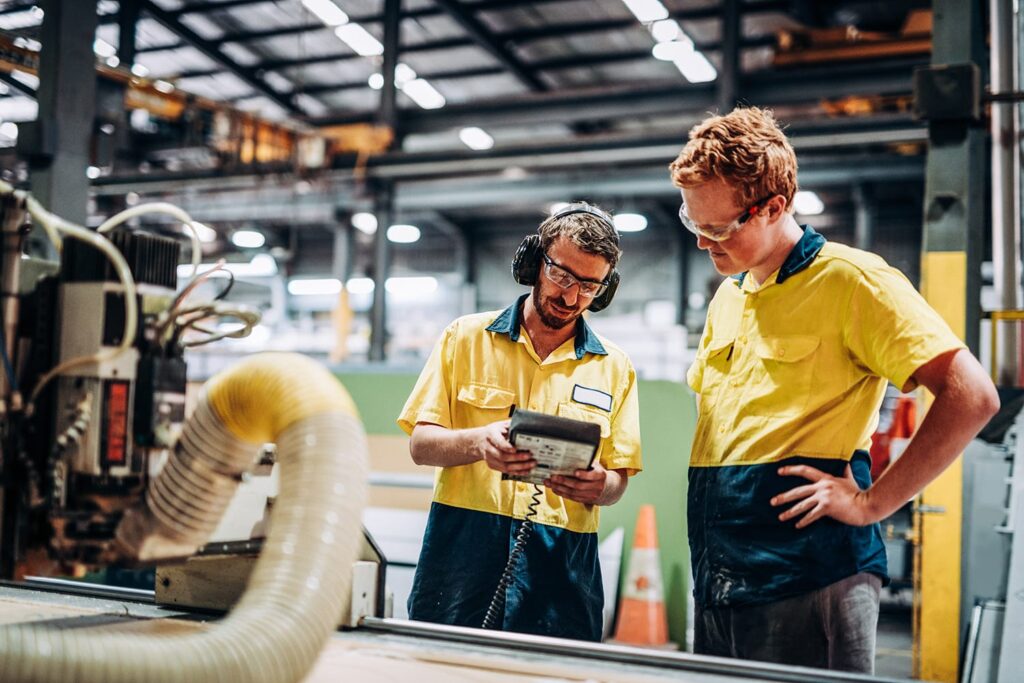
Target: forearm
614, 488
441, 447
955, 417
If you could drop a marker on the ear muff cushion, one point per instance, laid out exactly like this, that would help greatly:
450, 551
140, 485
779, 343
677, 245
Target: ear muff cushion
600, 303
526, 263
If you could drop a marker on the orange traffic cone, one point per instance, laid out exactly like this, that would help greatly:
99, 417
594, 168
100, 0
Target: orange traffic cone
642, 619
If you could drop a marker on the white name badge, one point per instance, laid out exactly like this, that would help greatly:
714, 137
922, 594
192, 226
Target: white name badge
592, 397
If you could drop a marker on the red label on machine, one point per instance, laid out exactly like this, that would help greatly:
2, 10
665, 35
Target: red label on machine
115, 423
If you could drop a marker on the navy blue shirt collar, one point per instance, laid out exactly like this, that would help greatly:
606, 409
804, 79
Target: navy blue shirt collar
508, 323
801, 256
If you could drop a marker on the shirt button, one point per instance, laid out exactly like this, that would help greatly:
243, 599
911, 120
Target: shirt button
743, 340
782, 352
721, 429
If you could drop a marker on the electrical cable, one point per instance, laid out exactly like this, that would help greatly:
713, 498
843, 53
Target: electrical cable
518, 548
224, 292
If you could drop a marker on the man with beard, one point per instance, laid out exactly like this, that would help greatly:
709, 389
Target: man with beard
540, 355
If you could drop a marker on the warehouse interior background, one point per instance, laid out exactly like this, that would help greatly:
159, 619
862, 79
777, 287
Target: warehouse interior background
360, 219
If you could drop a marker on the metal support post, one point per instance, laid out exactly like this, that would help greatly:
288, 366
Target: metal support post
954, 221
383, 207
728, 79
864, 217
59, 143
1005, 220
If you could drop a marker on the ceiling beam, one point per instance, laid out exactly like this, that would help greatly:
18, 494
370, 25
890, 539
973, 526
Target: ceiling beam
249, 75
833, 152
15, 84
482, 36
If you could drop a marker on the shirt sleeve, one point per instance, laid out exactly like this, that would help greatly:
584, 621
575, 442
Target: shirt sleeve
624, 451
891, 330
430, 400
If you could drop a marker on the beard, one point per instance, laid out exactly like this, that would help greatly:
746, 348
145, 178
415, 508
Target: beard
548, 316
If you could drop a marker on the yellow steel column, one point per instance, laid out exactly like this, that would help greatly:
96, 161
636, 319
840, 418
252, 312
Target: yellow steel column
938, 515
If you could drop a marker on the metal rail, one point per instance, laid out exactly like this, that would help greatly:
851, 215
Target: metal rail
598, 652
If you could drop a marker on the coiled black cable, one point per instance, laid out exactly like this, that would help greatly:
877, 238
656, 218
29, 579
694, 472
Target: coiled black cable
518, 547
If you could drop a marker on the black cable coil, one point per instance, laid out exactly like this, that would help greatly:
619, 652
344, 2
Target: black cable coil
518, 547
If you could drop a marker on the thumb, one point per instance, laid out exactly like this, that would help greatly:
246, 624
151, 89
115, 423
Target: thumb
848, 474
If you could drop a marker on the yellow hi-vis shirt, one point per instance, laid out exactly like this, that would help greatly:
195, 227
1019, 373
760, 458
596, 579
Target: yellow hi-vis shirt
792, 371
798, 365
483, 365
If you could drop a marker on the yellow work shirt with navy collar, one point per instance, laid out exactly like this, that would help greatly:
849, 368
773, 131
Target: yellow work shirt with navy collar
793, 370
483, 365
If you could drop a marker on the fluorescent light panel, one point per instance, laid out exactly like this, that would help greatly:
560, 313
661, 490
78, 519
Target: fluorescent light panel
364, 222
665, 30
696, 68
261, 265
314, 287
476, 138
394, 285
647, 10
424, 94
403, 234
103, 48
630, 222
360, 40
326, 11
248, 239
808, 203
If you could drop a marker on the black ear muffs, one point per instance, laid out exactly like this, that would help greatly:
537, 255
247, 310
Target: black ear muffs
526, 263
601, 302
526, 270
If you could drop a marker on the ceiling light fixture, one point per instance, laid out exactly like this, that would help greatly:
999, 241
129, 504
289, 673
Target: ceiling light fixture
403, 234
476, 138
248, 239
665, 30
808, 203
630, 222
696, 68
326, 11
647, 10
314, 286
360, 40
424, 94
364, 222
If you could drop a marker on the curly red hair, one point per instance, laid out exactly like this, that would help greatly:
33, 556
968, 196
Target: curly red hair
747, 149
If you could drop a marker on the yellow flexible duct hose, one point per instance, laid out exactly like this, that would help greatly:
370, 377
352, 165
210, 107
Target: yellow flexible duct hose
299, 585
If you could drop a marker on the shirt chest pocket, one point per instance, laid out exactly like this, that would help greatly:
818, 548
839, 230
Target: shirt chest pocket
575, 411
716, 359
782, 375
482, 404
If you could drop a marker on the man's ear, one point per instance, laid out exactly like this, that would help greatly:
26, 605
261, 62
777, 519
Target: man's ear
776, 206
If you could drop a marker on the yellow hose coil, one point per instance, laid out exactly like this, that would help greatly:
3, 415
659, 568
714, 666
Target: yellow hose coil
243, 396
